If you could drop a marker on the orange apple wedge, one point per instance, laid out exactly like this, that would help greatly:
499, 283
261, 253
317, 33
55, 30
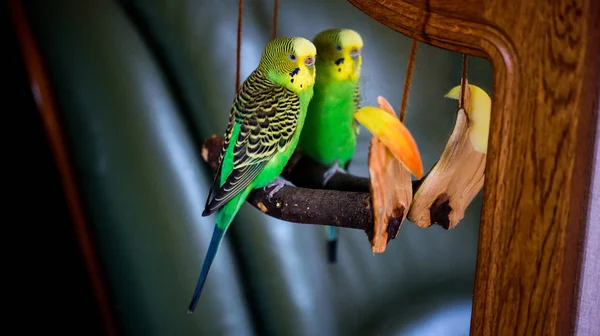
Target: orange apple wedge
393, 134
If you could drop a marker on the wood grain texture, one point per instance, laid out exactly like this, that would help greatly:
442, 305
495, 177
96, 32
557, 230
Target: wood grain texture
545, 60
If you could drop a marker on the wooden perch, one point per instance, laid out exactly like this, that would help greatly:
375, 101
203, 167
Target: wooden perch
351, 209
301, 170
346, 203
307, 173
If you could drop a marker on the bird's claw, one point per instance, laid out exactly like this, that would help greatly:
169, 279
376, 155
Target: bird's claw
277, 185
335, 168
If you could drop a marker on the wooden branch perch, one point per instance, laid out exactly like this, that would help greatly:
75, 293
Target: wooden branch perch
307, 173
344, 201
349, 207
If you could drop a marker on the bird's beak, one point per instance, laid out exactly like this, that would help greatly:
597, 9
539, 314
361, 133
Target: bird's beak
394, 135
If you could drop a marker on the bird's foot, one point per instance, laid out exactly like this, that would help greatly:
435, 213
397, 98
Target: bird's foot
335, 168
279, 183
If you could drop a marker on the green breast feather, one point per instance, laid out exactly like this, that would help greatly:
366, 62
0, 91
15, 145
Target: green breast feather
330, 130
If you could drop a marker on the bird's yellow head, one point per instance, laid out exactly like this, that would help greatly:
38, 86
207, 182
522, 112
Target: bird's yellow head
290, 61
339, 53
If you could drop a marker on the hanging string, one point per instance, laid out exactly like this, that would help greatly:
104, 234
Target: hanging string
239, 45
407, 80
275, 17
411, 63
463, 81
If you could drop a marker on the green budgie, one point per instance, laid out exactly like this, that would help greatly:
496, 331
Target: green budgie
264, 128
330, 131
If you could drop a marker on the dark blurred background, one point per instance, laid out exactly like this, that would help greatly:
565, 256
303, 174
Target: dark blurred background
138, 86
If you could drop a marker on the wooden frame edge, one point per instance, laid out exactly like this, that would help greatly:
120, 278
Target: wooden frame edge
484, 39
587, 141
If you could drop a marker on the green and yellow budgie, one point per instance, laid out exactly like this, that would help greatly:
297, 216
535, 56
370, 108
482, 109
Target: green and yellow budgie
264, 128
329, 135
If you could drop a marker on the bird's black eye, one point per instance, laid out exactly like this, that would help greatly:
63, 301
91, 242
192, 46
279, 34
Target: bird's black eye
338, 47
292, 57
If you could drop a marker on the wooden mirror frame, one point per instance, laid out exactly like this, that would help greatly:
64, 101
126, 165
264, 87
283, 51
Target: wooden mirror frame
545, 60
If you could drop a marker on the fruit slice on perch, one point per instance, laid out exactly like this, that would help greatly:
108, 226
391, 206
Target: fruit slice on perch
393, 156
457, 177
385, 125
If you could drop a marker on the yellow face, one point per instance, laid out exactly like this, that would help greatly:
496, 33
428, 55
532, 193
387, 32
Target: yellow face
340, 53
290, 61
303, 57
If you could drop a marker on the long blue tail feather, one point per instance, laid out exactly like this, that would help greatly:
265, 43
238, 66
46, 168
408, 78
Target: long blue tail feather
213, 247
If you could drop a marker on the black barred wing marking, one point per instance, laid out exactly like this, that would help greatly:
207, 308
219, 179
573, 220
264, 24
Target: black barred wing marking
227, 139
256, 82
268, 121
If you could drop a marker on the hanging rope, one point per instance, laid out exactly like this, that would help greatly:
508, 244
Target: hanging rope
411, 63
275, 17
463, 81
408, 79
239, 45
